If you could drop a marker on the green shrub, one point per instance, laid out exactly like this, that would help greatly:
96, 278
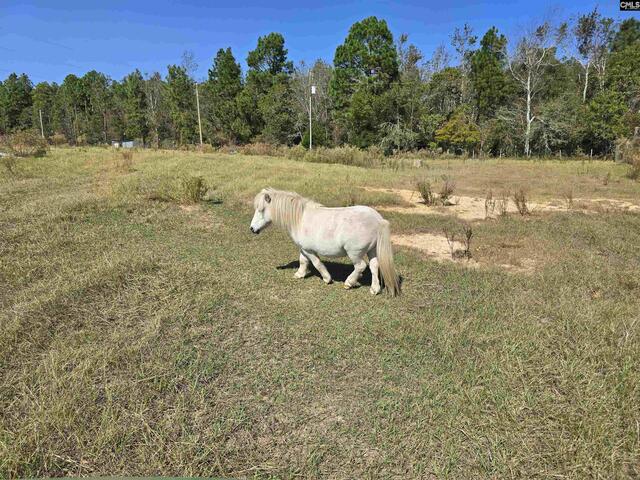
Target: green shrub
424, 189
194, 188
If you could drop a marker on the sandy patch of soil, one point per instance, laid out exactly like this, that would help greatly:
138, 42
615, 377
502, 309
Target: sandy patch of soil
476, 208
436, 247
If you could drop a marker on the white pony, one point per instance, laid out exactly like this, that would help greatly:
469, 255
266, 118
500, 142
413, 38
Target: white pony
357, 232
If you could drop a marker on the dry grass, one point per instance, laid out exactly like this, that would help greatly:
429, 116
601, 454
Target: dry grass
133, 341
124, 161
567, 194
634, 168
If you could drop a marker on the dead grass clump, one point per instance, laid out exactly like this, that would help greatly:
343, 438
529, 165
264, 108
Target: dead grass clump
58, 139
345, 155
520, 199
263, 149
424, 189
503, 204
447, 189
634, 168
567, 194
124, 161
194, 188
26, 144
489, 204
606, 179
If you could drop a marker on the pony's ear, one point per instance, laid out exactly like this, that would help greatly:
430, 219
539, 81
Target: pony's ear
267, 198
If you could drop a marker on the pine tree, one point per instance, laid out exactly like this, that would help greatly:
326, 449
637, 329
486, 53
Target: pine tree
182, 104
220, 93
135, 107
365, 66
490, 85
15, 103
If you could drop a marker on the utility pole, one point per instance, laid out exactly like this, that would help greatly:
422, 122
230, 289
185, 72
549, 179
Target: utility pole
313, 92
41, 126
199, 122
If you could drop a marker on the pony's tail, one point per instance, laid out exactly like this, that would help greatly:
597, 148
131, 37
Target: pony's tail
384, 252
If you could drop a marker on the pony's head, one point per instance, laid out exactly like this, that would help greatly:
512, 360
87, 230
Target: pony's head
282, 208
262, 216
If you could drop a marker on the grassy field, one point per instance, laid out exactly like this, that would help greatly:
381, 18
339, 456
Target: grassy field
141, 334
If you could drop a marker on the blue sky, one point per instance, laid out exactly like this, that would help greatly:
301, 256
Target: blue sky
49, 39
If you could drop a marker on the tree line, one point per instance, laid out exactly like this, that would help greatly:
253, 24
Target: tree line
560, 88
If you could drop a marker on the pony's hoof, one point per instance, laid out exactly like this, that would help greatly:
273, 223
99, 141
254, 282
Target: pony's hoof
299, 275
349, 286
373, 291
327, 280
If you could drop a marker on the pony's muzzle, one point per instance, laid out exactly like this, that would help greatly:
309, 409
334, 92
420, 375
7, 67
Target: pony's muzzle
254, 230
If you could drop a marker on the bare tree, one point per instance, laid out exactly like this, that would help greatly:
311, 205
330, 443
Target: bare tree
438, 62
462, 41
189, 63
533, 55
604, 38
592, 35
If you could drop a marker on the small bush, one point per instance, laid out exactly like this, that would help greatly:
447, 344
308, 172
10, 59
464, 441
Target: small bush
451, 239
57, 140
193, 189
467, 233
424, 189
520, 199
447, 189
634, 168
26, 143
489, 204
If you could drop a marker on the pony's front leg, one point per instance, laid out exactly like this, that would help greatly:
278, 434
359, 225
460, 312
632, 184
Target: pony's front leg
319, 266
304, 267
359, 266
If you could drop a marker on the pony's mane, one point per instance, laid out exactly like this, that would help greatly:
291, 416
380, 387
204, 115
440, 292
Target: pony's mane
286, 207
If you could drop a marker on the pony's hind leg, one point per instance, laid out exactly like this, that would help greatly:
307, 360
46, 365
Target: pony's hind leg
319, 266
304, 267
359, 265
375, 277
